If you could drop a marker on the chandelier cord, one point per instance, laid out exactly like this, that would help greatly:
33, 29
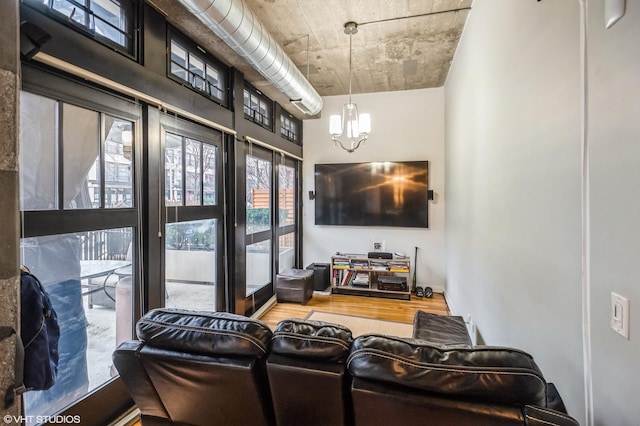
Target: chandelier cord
350, 50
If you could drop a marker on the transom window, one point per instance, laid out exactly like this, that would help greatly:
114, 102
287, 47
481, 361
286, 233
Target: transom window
257, 107
107, 20
289, 127
199, 72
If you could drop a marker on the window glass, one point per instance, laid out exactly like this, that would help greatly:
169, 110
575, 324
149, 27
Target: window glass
209, 174
89, 281
286, 195
247, 103
213, 79
196, 154
200, 73
258, 266
81, 157
289, 128
179, 61
257, 108
110, 20
193, 178
118, 165
190, 265
287, 251
70, 11
173, 170
258, 194
38, 139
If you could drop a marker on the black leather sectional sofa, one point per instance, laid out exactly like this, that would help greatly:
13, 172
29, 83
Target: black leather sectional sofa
199, 368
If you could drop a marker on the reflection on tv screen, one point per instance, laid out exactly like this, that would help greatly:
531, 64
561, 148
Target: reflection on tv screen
372, 194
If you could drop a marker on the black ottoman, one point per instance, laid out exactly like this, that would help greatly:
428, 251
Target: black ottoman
440, 329
294, 285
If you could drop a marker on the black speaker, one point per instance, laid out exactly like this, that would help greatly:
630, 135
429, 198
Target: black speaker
379, 255
32, 37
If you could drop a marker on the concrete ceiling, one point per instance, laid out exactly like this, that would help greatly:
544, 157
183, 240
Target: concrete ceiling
397, 47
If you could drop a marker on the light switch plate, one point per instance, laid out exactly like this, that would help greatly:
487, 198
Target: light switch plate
613, 11
620, 315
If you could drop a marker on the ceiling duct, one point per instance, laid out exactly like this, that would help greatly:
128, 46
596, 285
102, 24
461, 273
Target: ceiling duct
239, 27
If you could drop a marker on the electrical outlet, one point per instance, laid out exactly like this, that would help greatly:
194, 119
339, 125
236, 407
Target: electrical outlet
620, 315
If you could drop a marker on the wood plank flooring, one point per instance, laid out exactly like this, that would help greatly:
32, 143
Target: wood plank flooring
370, 307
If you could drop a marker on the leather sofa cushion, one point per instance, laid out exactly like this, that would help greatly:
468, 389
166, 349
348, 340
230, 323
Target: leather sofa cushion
205, 333
312, 340
483, 373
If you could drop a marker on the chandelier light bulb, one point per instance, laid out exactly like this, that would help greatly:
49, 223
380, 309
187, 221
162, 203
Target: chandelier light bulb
355, 127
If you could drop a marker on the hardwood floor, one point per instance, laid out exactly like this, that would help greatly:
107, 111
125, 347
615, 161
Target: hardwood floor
370, 307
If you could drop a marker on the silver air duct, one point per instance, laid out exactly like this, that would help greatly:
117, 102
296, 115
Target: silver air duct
239, 27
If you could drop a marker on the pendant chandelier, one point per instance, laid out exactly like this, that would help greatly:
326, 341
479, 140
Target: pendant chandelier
355, 128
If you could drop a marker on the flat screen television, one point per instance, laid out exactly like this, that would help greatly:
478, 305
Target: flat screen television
372, 194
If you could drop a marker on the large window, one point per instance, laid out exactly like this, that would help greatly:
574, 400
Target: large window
271, 219
257, 107
287, 215
193, 216
110, 21
259, 220
75, 163
196, 69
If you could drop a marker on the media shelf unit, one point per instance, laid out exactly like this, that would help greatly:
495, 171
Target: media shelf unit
357, 274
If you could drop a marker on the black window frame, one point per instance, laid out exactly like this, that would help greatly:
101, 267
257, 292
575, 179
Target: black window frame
209, 60
185, 213
42, 223
254, 115
130, 7
292, 132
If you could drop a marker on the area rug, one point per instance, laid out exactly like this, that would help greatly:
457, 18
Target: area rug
362, 325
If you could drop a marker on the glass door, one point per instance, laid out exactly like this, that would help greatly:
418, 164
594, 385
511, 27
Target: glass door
80, 234
259, 220
193, 242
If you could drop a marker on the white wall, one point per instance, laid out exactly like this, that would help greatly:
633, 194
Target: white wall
406, 126
514, 182
614, 141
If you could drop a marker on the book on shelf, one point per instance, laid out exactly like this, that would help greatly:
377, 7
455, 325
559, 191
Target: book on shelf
348, 277
361, 279
359, 264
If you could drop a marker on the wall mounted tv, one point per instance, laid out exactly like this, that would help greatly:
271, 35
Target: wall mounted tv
372, 194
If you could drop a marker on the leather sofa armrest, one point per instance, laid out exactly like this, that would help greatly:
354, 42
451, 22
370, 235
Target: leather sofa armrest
554, 400
538, 416
440, 329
